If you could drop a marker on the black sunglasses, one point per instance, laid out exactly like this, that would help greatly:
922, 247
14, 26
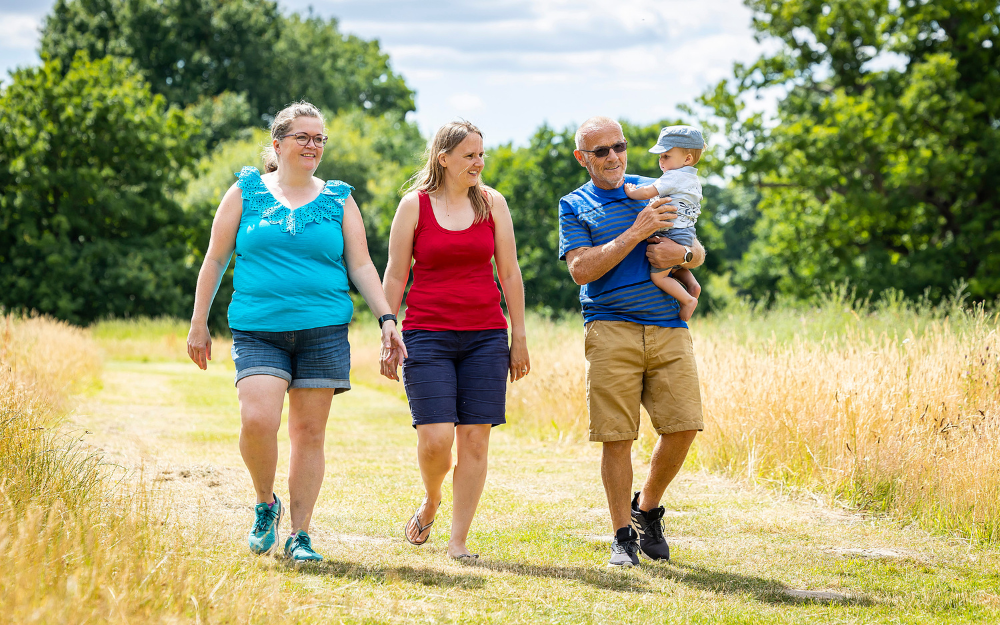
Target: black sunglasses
603, 151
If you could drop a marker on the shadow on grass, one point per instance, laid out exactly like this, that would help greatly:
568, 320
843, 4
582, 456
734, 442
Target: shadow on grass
615, 579
611, 579
760, 588
426, 577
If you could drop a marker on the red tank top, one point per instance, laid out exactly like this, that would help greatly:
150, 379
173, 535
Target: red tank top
453, 286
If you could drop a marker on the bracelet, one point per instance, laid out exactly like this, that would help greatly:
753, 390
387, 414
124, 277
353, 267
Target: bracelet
388, 317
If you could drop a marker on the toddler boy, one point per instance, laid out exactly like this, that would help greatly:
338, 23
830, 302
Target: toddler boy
680, 148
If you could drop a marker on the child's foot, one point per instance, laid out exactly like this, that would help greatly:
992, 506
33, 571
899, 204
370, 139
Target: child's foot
687, 308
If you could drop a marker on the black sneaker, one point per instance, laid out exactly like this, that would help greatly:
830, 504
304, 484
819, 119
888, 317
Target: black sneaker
625, 552
649, 524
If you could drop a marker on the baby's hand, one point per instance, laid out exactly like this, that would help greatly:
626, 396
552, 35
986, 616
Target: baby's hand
629, 188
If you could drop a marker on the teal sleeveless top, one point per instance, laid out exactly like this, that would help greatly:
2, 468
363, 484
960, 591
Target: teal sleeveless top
290, 272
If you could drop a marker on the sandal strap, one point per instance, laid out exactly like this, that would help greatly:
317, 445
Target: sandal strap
421, 528
415, 519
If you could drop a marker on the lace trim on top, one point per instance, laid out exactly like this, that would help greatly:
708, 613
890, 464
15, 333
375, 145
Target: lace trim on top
328, 205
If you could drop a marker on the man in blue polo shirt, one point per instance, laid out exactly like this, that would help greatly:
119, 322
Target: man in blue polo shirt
637, 349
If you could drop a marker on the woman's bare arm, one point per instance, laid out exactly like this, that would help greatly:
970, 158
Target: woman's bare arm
509, 272
397, 271
220, 251
362, 272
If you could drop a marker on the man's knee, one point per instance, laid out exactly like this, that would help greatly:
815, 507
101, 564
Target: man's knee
682, 438
617, 451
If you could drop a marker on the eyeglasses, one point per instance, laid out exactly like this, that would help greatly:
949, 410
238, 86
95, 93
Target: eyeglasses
602, 151
303, 139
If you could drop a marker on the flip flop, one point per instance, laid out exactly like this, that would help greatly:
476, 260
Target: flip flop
415, 519
466, 558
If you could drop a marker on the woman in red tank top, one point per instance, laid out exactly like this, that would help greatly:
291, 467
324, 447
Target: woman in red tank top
453, 229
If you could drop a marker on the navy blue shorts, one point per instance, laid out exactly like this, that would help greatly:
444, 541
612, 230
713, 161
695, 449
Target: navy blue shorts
456, 376
313, 358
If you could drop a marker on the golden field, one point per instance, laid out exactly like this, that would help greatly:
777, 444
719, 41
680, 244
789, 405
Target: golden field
887, 407
78, 543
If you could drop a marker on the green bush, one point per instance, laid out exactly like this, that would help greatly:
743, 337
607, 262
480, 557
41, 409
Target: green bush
89, 159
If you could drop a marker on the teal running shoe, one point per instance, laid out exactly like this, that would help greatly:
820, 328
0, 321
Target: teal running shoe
298, 547
263, 537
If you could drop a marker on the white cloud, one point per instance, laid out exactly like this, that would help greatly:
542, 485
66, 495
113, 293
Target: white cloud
466, 102
510, 65
18, 31
558, 61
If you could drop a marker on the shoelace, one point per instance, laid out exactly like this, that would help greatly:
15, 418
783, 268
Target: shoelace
655, 519
630, 547
302, 541
264, 518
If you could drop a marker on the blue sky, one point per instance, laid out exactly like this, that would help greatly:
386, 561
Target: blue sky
509, 65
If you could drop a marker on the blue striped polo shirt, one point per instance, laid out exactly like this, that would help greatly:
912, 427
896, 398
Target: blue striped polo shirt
591, 217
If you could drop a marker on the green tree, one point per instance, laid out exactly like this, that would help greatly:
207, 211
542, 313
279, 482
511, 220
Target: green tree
88, 160
315, 62
192, 49
225, 116
882, 164
186, 48
533, 179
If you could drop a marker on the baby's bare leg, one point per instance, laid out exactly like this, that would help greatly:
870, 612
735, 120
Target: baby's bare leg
674, 288
685, 277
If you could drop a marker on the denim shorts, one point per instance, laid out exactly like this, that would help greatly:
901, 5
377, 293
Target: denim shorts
456, 376
313, 358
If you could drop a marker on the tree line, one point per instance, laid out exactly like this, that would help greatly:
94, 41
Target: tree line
879, 165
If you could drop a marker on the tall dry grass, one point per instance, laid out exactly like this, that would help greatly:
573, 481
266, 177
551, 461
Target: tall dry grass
904, 422
144, 339
888, 406
40, 364
78, 543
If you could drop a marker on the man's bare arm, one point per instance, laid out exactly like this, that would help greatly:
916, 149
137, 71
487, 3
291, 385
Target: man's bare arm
664, 253
587, 264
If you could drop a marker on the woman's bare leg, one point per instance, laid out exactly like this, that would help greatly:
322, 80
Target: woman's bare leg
261, 398
434, 441
308, 412
473, 442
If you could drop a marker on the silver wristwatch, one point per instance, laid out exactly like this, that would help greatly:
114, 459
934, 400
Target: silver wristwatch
688, 254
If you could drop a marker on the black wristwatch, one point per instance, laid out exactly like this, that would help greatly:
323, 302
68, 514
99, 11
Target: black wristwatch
688, 254
384, 318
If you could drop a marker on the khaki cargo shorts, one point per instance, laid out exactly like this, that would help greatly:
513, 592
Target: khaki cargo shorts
628, 363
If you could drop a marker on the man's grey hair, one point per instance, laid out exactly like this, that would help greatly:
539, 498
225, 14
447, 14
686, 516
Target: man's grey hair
594, 123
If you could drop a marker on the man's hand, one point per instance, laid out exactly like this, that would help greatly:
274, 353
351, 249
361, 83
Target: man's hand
663, 253
658, 215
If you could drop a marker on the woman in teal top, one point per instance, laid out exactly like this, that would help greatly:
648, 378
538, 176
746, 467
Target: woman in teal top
297, 240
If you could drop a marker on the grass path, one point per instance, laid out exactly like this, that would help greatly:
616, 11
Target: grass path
741, 555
